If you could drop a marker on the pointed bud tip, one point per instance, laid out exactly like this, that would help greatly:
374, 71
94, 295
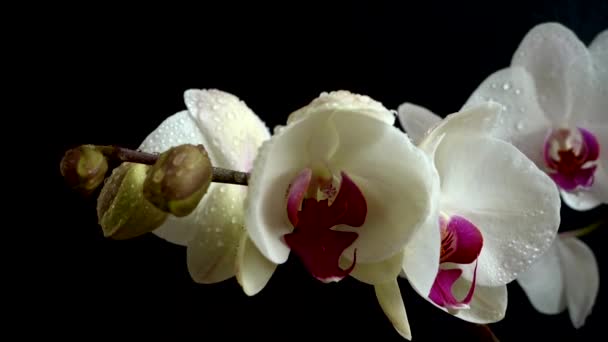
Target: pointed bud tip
179, 179
84, 168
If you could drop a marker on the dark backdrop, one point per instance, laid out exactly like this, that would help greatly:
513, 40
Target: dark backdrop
115, 73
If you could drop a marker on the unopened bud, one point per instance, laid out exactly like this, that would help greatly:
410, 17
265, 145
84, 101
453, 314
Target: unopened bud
122, 210
84, 168
179, 179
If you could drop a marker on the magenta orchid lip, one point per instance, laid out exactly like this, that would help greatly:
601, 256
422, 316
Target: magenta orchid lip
571, 157
313, 240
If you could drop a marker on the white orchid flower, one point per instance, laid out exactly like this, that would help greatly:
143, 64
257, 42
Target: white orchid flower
497, 213
554, 98
218, 247
567, 276
341, 188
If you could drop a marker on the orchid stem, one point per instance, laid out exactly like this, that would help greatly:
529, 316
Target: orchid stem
220, 175
583, 231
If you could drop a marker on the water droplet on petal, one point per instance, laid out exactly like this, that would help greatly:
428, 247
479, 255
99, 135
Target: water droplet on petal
517, 91
506, 86
520, 126
493, 85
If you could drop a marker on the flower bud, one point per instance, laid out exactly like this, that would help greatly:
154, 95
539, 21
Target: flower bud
84, 168
179, 179
122, 210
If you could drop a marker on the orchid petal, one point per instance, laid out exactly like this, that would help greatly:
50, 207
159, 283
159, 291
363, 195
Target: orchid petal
488, 305
513, 203
479, 119
375, 273
219, 225
176, 130
391, 302
560, 65
421, 255
342, 100
594, 111
417, 121
581, 276
521, 121
232, 130
396, 179
543, 283
253, 270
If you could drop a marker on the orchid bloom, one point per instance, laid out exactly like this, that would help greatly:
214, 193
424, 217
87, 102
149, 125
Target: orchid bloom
218, 246
341, 188
554, 97
566, 276
497, 212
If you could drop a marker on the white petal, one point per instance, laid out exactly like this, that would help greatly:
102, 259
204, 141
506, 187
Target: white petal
515, 205
560, 65
346, 101
279, 160
396, 178
581, 275
595, 111
599, 43
375, 273
543, 283
417, 120
253, 270
219, 225
478, 119
176, 130
421, 257
233, 132
389, 298
489, 304
521, 121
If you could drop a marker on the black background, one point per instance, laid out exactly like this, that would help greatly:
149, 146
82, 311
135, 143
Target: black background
114, 73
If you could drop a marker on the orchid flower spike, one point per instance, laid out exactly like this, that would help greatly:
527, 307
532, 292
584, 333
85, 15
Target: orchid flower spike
218, 247
554, 97
341, 188
497, 213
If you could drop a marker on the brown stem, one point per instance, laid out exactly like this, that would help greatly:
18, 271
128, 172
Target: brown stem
220, 175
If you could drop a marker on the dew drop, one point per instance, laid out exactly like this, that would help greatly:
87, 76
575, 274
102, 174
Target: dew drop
506, 86
222, 189
493, 85
517, 91
520, 126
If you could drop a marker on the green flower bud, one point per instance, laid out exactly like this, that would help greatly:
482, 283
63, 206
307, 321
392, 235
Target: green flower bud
84, 168
122, 210
179, 179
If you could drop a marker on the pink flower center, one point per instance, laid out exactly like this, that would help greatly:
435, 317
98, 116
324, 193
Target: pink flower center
314, 207
461, 243
571, 157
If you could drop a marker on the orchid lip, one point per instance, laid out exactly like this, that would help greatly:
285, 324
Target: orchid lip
571, 157
318, 246
461, 244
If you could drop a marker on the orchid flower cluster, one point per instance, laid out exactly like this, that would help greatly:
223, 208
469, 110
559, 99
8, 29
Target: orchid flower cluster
459, 206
